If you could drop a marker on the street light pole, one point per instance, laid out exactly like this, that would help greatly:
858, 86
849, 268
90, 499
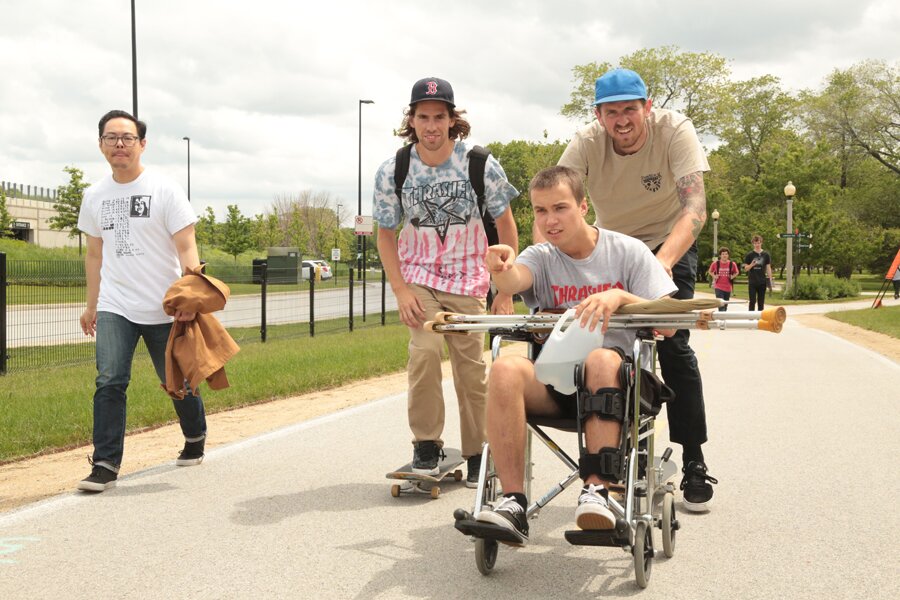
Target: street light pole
337, 218
360, 239
133, 63
789, 191
715, 218
188, 140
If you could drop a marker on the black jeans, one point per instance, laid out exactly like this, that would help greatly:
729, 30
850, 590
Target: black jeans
757, 294
678, 363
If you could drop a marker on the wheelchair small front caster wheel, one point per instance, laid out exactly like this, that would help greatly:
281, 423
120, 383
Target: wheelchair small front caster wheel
643, 553
669, 525
485, 555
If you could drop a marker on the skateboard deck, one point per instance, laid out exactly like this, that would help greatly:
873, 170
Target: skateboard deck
427, 484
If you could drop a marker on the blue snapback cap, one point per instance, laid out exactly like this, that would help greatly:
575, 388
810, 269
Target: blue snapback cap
618, 85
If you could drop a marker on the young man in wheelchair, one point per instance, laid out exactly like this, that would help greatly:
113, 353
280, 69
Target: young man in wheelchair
595, 271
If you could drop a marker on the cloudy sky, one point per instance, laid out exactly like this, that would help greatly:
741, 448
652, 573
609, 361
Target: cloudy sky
268, 90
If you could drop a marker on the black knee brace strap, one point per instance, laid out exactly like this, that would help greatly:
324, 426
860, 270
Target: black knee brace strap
606, 464
606, 403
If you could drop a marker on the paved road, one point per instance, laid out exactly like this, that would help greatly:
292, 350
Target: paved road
58, 324
804, 443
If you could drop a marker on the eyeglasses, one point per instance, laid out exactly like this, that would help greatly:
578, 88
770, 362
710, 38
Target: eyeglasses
110, 139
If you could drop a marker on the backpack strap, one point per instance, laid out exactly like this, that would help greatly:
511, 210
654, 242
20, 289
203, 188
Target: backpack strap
477, 160
401, 169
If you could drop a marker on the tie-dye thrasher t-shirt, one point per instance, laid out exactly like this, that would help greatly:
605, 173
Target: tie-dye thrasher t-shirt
442, 243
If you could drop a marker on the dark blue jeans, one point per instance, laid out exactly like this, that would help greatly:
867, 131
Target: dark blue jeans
678, 364
722, 294
117, 338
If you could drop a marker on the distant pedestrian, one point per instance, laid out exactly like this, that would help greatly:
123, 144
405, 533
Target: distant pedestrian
723, 272
140, 239
758, 266
896, 282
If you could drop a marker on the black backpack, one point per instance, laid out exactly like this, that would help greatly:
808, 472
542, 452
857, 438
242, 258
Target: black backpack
477, 161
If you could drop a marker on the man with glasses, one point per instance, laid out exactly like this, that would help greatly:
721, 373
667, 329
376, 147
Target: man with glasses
140, 239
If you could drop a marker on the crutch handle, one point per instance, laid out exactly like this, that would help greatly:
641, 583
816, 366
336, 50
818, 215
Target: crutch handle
775, 314
773, 326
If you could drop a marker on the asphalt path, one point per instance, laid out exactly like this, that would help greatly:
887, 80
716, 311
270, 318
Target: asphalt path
47, 325
803, 441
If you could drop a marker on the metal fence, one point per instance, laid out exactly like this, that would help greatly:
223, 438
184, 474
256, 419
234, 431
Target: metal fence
41, 302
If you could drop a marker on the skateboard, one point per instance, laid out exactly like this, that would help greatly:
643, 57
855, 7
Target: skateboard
417, 483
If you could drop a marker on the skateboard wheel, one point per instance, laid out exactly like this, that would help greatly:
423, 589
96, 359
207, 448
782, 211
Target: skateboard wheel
395, 490
435, 492
457, 475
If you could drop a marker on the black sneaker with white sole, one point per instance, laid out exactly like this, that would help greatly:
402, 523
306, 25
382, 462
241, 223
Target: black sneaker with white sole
191, 454
100, 479
696, 488
508, 514
426, 456
473, 466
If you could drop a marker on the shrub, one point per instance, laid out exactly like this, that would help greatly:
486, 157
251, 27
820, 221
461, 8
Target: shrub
822, 287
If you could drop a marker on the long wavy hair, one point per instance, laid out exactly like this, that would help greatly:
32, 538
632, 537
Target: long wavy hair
460, 129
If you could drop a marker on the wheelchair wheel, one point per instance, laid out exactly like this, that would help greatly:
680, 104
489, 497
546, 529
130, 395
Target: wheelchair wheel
669, 524
485, 555
643, 553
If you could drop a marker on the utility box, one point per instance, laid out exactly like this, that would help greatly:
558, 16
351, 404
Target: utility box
284, 265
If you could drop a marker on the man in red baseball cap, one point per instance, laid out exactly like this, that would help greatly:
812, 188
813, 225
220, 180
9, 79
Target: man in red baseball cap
436, 263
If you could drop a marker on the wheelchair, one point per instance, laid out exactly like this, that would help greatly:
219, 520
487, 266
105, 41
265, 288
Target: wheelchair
645, 479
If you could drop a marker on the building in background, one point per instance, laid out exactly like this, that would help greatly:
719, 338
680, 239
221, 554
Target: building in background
31, 208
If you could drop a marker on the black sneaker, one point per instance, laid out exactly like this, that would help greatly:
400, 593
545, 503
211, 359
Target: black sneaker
99, 480
425, 458
191, 454
696, 488
473, 465
510, 515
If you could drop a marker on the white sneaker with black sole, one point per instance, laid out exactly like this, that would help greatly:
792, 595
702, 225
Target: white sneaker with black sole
593, 509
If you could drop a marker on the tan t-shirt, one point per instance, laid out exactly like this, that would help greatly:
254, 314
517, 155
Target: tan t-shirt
636, 194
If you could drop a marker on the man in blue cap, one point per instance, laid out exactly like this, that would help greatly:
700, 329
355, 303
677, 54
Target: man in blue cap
644, 171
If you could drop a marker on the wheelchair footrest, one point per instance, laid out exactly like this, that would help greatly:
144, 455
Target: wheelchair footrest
488, 531
599, 537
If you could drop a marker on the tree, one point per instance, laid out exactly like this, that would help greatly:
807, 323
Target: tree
68, 204
5, 218
521, 160
207, 230
689, 82
860, 106
236, 235
750, 116
308, 221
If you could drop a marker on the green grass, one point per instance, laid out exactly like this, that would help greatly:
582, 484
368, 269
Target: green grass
48, 409
884, 320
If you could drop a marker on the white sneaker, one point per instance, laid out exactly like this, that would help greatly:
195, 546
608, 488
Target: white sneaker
593, 510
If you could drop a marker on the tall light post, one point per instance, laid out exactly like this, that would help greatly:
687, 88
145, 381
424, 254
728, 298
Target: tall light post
715, 218
337, 218
361, 239
133, 63
789, 191
188, 140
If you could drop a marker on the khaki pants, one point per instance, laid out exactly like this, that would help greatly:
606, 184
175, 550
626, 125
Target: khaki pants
426, 398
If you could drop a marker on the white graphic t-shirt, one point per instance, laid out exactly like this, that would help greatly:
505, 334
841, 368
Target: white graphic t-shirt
617, 262
443, 243
136, 222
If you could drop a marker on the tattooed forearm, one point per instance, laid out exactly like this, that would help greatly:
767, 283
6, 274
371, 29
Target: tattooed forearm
692, 195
